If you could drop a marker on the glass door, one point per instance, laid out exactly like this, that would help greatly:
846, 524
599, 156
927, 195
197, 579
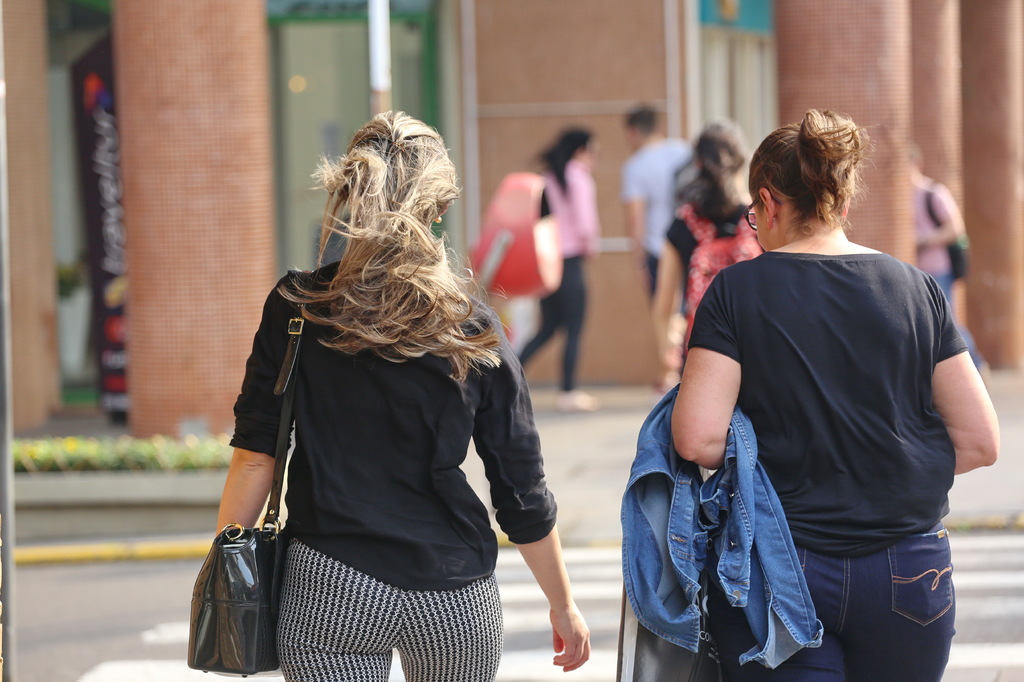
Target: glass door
320, 80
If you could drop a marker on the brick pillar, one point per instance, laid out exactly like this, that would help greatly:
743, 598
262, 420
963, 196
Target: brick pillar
35, 373
938, 113
853, 56
196, 159
993, 144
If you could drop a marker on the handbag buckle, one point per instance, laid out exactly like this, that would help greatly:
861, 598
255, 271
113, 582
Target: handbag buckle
295, 326
236, 528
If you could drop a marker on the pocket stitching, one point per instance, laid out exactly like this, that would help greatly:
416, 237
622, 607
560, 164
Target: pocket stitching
899, 580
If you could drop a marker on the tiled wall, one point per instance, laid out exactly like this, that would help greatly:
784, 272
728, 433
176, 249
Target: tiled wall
543, 66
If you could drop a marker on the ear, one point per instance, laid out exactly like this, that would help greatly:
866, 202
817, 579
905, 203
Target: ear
846, 208
771, 208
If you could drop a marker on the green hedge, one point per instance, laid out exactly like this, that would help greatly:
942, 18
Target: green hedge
158, 453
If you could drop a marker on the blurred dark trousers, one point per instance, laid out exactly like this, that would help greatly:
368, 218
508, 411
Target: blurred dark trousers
563, 309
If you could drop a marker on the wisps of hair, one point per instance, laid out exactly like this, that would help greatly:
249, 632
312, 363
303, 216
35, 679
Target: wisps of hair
814, 163
394, 293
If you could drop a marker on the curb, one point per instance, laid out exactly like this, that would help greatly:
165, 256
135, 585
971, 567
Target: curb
148, 550
991, 522
142, 550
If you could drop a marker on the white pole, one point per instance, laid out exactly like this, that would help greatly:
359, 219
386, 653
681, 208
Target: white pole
673, 70
379, 16
7, 605
470, 123
694, 86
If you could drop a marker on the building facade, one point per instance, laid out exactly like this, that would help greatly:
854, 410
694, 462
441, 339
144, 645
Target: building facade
223, 114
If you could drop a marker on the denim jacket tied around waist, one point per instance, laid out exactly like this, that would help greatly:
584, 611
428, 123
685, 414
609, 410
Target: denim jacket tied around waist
672, 523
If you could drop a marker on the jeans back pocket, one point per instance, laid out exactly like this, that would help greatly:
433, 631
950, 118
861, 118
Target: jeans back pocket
922, 576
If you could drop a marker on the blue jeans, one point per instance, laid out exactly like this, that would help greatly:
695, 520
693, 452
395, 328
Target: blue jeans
888, 617
946, 284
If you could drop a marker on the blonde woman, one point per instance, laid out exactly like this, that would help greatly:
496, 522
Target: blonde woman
388, 546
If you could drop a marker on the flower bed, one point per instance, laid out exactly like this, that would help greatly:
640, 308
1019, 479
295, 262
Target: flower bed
158, 453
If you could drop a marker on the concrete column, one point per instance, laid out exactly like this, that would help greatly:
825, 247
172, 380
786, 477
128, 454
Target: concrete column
35, 369
993, 149
196, 160
853, 56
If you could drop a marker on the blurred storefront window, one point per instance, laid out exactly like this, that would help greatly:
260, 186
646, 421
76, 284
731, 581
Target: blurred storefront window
738, 64
320, 83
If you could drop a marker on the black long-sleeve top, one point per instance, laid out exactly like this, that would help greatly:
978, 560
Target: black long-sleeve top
374, 478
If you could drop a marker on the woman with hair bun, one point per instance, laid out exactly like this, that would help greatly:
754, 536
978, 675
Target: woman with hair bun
388, 547
864, 404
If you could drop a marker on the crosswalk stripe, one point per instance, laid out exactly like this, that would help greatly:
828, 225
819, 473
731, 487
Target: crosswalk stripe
977, 608
517, 593
985, 543
988, 579
986, 656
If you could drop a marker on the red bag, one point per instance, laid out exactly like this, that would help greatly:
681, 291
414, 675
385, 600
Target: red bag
519, 252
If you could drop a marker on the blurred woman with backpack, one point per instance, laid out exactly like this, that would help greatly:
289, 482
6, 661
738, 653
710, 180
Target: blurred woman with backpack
709, 233
569, 196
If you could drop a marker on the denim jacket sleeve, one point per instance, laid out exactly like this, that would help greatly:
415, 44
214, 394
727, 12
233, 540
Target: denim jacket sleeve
663, 544
757, 566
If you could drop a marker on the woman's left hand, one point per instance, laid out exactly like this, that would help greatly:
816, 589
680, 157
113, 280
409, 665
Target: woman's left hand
570, 637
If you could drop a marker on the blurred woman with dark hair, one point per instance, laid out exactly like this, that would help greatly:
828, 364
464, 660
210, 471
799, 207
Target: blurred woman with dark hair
710, 232
570, 197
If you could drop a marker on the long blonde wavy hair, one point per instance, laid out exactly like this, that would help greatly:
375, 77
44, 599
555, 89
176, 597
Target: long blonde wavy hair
395, 293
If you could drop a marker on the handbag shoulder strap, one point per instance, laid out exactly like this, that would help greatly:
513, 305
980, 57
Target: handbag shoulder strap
285, 385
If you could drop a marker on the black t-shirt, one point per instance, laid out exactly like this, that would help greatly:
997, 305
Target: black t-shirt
374, 478
837, 355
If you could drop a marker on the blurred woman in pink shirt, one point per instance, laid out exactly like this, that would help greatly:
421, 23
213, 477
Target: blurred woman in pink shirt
570, 197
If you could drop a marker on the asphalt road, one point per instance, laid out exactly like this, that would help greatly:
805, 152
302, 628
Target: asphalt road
121, 622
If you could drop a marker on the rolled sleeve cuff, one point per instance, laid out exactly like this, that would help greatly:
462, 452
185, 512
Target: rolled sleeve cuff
525, 526
256, 434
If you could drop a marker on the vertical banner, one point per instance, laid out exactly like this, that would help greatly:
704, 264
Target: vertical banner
99, 170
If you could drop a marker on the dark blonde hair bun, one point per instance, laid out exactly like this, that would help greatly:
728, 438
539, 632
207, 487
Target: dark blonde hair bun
814, 164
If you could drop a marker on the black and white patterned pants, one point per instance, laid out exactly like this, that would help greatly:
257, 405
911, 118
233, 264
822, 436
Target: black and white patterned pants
339, 625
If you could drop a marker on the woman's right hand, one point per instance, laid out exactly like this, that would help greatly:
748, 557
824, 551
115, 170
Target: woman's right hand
570, 635
570, 638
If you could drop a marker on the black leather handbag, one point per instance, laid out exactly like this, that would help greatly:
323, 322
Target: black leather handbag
645, 657
233, 628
